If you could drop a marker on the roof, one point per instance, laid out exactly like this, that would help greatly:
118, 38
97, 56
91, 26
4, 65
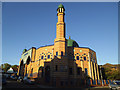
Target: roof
45, 46
72, 43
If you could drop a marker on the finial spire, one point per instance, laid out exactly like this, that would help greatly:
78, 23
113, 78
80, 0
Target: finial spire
69, 37
60, 6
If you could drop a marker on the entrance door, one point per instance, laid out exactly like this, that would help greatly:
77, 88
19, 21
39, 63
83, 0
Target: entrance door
40, 72
47, 73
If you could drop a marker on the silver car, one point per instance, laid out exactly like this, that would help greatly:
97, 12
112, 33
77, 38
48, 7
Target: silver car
115, 85
28, 80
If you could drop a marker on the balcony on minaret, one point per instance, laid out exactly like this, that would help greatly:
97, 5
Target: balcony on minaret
60, 9
60, 13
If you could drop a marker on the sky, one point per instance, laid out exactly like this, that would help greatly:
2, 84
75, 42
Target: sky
33, 24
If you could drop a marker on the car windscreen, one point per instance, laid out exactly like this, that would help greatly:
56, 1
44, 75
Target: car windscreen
113, 83
118, 83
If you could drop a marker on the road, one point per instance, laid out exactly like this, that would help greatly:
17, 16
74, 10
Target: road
14, 84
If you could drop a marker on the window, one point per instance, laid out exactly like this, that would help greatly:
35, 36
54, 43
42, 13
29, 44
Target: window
70, 57
66, 83
61, 68
31, 74
86, 72
42, 57
61, 53
91, 59
93, 70
62, 83
56, 53
74, 57
48, 56
71, 83
78, 71
84, 58
70, 71
77, 57
56, 68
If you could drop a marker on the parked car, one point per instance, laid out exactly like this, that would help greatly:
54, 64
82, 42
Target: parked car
14, 77
20, 79
115, 85
27, 80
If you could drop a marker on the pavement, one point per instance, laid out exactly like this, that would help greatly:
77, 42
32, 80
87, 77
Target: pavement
12, 84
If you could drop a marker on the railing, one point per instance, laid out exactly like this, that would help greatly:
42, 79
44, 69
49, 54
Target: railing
98, 82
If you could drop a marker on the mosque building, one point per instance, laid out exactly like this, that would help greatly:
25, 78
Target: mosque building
63, 63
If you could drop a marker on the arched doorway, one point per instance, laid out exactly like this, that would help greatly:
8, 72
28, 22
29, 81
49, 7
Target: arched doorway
47, 73
22, 66
40, 72
27, 63
28, 60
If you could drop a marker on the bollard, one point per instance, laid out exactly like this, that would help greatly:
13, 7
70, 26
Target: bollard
96, 82
90, 81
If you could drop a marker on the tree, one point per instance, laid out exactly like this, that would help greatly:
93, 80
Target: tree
5, 67
15, 68
109, 73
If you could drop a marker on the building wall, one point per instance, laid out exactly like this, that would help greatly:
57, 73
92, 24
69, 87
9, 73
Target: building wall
69, 62
71, 66
41, 56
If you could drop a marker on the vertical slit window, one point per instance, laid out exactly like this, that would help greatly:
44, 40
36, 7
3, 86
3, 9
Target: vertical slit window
61, 53
78, 71
56, 68
86, 71
42, 57
84, 58
70, 71
48, 56
56, 53
77, 57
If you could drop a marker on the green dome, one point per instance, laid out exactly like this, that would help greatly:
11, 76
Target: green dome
72, 43
60, 6
24, 50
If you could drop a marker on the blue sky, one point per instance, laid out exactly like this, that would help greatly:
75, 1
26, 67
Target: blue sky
93, 25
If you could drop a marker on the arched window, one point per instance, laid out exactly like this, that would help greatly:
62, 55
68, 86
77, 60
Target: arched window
28, 60
42, 57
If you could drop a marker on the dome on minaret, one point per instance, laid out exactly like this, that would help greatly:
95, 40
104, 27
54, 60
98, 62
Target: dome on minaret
60, 6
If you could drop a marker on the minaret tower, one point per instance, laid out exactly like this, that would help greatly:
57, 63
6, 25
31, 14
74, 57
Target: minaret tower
60, 41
